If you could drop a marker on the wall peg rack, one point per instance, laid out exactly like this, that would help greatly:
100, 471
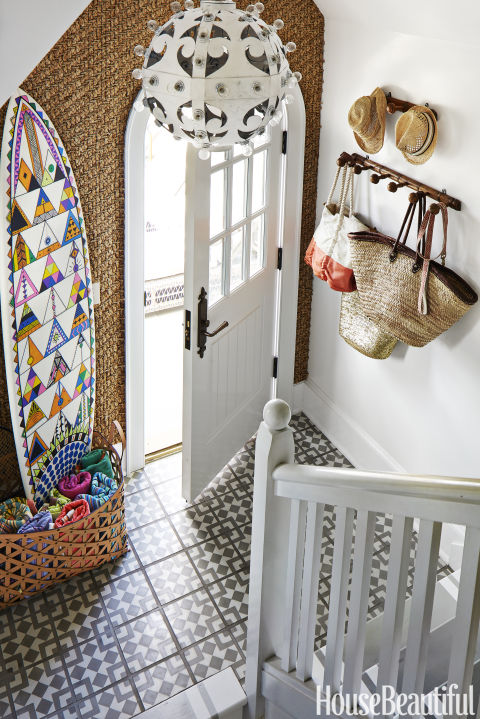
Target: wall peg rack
397, 179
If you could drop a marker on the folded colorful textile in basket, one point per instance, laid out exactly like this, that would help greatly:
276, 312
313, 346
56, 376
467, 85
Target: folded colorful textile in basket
72, 512
13, 514
71, 486
39, 523
55, 504
102, 489
97, 461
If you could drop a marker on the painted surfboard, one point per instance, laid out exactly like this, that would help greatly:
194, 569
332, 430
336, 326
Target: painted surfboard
46, 300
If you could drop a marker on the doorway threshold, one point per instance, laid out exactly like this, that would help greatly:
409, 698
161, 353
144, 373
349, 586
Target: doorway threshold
161, 453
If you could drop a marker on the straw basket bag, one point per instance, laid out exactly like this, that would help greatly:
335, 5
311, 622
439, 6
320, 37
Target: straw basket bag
405, 292
31, 563
360, 332
328, 254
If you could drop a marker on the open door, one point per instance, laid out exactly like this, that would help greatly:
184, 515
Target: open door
233, 228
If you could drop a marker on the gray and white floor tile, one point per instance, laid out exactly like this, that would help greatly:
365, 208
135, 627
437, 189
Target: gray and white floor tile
120, 639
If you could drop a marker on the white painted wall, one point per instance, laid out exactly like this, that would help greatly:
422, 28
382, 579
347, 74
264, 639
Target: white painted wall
422, 406
28, 30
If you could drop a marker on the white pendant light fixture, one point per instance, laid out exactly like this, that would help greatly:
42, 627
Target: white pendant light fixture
215, 75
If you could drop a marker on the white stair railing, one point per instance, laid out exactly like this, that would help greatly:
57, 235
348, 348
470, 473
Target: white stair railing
288, 510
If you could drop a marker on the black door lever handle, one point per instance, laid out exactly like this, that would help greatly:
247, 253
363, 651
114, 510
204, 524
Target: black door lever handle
215, 332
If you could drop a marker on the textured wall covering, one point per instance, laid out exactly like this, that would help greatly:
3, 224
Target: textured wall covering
85, 85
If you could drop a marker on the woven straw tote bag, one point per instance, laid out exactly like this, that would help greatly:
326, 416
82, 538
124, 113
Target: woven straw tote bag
405, 292
328, 254
360, 332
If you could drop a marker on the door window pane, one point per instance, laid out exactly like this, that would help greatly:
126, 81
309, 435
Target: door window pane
238, 191
236, 258
218, 157
258, 181
257, 242
217, 202
215, 273
260, 140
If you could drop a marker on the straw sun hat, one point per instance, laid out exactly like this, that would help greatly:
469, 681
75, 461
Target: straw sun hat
367, 120
416, 134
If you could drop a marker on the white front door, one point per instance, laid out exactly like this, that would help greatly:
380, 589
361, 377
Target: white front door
232, 239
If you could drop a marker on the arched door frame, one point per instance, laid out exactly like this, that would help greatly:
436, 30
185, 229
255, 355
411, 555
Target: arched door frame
134, 268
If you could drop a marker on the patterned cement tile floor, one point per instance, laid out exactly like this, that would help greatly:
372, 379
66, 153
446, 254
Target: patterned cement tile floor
113, 642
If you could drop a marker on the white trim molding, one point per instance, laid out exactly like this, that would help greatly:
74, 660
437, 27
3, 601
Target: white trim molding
134, 282
348, 436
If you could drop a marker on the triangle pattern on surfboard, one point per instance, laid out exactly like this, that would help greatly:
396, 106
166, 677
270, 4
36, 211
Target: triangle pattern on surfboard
44, 210
51, 275
22, 255
19, 221
37, 449
83, 380
80, 321
55, 306
26, 290
74, 260
48, 242
57, 338
35, 415
60, 400
33, 388
26, 178
28, 323
33, 353
62, 427
72, 229
78, 292
59, 369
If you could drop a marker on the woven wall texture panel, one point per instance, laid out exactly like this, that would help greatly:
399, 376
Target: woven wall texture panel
85, 85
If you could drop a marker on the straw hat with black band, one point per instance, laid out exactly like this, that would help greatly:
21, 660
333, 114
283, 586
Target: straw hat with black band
416, 134
367, 120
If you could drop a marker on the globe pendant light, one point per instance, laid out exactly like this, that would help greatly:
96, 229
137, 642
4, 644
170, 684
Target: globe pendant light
215, 75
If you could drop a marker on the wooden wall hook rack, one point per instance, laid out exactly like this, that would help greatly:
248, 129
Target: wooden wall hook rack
398, 179
395, 105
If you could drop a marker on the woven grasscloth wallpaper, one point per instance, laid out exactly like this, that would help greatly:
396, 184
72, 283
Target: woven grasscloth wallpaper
85, 85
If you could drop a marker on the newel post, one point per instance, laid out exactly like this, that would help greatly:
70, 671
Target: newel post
270, 528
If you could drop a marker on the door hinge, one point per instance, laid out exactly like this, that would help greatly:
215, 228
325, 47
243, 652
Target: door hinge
284, 142
275, 367
145, 298
279, 258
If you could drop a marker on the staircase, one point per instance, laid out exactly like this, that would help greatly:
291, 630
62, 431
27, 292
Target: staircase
419, 642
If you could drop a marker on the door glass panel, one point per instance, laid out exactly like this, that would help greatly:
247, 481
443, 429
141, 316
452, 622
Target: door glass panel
257, 243
218, 157
215, 275
217, 202
258, 181
236, 258
238, 191
260, 140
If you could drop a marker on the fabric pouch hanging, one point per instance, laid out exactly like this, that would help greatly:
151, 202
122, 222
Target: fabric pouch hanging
404, 291
328, 254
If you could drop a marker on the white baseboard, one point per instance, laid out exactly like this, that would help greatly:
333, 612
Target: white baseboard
350, 438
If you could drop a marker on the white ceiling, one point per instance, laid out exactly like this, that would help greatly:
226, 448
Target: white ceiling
457, 21
28, 30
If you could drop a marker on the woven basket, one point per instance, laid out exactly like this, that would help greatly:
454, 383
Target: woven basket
31, 563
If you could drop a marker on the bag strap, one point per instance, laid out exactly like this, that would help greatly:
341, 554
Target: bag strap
404, 229
342, 186
426, 230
